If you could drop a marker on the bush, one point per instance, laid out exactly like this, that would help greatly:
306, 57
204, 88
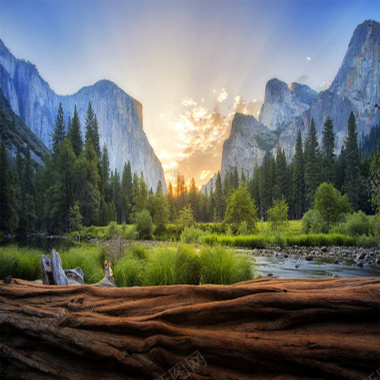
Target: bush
357, 224
375, 225
138, 250
144, 224
191, 235
160, 269
128, 271
312, 222
219, 266
243, 229
187, 266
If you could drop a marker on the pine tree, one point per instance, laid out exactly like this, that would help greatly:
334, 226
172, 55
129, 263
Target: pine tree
126, 191
328, 155
375, 178
87, 181
193, 199
74, 134
312, 165
92, 130
106, 174
281, 179
298, 178
351, 177
218, 194
8, 216
59, 133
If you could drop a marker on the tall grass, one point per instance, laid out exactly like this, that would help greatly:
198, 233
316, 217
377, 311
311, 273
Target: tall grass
250, 241
89, 258
20, 262
220, 266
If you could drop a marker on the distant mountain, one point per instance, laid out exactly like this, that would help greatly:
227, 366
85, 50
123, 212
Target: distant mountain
286, 110
119, 115
282, 104
14, 132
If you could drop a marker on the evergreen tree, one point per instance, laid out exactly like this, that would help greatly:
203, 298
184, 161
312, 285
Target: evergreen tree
8, 215
281, 179
235, 179
74, 134
64, 185
218, 194
312, 165
351, 177
193, 199
106, 174
328, 155
298, 179
28, 176
126, 192
161, 212
266, 187
59, 133
92, 131
87, 181
375, 178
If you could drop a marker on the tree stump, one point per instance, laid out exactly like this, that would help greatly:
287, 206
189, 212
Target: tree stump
263, 329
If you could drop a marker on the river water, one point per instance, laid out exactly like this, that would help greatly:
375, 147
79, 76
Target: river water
322, 265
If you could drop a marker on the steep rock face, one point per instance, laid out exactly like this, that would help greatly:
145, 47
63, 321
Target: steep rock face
119, 115
282, 103
247, 144
355, 88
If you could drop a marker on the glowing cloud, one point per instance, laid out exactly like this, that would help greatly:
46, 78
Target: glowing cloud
308, 58
222, 96
188, 102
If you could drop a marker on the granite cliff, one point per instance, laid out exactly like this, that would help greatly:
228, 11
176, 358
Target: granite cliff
285, 111
119, 115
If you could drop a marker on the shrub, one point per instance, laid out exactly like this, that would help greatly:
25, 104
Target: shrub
191, 235
219, 266
160, 269
187, 266
243, 228
278, 215
138, 250
144, 224
128, 271
312, 222
357, 224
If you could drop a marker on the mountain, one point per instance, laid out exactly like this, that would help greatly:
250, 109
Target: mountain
14, 132
285, 111
119, 115
355, 88
282, 104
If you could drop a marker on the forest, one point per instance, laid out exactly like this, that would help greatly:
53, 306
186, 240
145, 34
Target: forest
76, 187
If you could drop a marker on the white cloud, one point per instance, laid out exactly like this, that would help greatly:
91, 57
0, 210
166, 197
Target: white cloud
222, 96
188, 102
204, 174
308, 58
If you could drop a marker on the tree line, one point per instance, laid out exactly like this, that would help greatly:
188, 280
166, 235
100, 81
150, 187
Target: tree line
76, 186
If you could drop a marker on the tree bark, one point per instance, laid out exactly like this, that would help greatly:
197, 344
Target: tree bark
263, 329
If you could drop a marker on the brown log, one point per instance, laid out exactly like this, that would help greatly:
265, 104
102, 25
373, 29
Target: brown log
264, 329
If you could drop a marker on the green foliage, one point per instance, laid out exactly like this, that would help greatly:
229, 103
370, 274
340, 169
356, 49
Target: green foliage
319, 240
241, 208
221, 266
74, 134
312, 222
278, 215
187, 266
88, 258
243, 229
375, 178
144, 224
330, 203
186, 218
191, 235
59, 133
128, 271
250, 241
160, 269
357, 224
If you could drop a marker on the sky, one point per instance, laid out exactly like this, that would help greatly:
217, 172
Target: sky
191, 63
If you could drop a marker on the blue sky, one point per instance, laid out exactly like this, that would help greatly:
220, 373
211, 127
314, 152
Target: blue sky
179, 57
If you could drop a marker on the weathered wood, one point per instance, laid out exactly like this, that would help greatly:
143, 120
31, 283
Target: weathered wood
59, 276
264, 329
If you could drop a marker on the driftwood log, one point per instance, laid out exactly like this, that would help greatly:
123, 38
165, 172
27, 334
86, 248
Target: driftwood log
264, 329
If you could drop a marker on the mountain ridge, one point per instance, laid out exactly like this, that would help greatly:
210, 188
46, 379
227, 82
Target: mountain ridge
119, 115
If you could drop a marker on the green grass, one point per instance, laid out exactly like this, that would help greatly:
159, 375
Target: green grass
20, 262
88, 257
221, 266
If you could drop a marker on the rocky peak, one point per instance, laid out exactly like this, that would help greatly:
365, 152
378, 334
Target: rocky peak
358, 77
282, 104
